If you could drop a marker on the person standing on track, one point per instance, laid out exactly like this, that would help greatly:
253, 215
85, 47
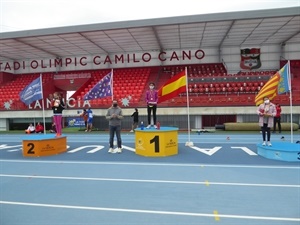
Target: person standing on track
89, 120
114, 115
84, 115
277, 119
135, 116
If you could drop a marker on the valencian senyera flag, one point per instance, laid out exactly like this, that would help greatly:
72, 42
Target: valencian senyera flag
173, 87
284, 83
277, 84
32, 92
102, 89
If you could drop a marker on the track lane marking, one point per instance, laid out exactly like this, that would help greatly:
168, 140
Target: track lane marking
150, 164
152, 211
150, 181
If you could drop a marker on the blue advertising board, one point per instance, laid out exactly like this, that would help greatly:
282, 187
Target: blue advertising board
75, 122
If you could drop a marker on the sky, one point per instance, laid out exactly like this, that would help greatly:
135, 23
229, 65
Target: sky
17, 15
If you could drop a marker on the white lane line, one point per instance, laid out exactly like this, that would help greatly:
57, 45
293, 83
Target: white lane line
151, 211
4, 146
150, 164
128, 148
14, 150
149, 181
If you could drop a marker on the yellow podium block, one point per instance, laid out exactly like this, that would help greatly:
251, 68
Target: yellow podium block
36, 145
157, 143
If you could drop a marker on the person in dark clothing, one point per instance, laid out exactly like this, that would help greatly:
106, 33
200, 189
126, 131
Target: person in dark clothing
114, 115
135, 116
85, 117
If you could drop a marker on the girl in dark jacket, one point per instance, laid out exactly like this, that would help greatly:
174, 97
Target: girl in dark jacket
58, 106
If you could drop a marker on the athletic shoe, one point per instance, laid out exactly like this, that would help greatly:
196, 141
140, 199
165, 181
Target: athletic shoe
148, 126
111, 150
119, 150
264, 143
269, 143
155, 126
131, 131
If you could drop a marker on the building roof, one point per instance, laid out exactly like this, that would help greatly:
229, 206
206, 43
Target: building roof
244, 29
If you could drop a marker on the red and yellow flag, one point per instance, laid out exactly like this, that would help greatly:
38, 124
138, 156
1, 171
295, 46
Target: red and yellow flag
173, 87
268, 90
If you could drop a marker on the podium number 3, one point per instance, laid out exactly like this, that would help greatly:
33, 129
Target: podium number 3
31, 147
156, 143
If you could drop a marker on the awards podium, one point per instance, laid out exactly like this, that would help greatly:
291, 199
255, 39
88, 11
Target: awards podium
156, 143
36, 145
283, 151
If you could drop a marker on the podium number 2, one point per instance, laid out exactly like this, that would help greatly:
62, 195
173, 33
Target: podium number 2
156, 143
31, 147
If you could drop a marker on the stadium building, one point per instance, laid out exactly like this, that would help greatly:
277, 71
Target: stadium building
228, 57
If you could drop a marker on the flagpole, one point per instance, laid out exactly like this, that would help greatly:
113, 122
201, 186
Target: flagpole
43, 105
291, 99
112, 84
189, 143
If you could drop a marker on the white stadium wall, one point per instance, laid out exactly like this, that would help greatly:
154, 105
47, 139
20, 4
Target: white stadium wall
291, 51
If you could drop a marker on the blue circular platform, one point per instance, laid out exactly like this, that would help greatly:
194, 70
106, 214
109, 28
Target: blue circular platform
283, 151
151, 129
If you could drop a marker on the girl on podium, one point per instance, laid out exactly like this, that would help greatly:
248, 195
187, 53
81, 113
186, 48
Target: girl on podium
57, 106
151, 100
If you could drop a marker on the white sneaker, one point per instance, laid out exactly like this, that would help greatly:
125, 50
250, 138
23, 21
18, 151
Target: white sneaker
269, 143
264, 143
119, 150
131, 131
155, 126
111, 150
148, 126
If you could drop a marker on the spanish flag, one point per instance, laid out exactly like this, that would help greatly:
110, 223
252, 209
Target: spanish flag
268, 90
173, 87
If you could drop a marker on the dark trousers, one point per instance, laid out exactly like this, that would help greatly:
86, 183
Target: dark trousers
277, 121
112, 131
153, 109
265, 129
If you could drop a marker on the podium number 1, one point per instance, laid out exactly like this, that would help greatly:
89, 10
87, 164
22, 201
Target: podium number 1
156, 143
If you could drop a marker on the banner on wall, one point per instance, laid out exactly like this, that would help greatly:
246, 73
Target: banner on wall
75, 122
250, 58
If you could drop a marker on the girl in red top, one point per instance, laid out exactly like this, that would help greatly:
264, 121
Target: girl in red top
39, 128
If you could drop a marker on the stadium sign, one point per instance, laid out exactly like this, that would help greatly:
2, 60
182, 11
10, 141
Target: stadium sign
104, 60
